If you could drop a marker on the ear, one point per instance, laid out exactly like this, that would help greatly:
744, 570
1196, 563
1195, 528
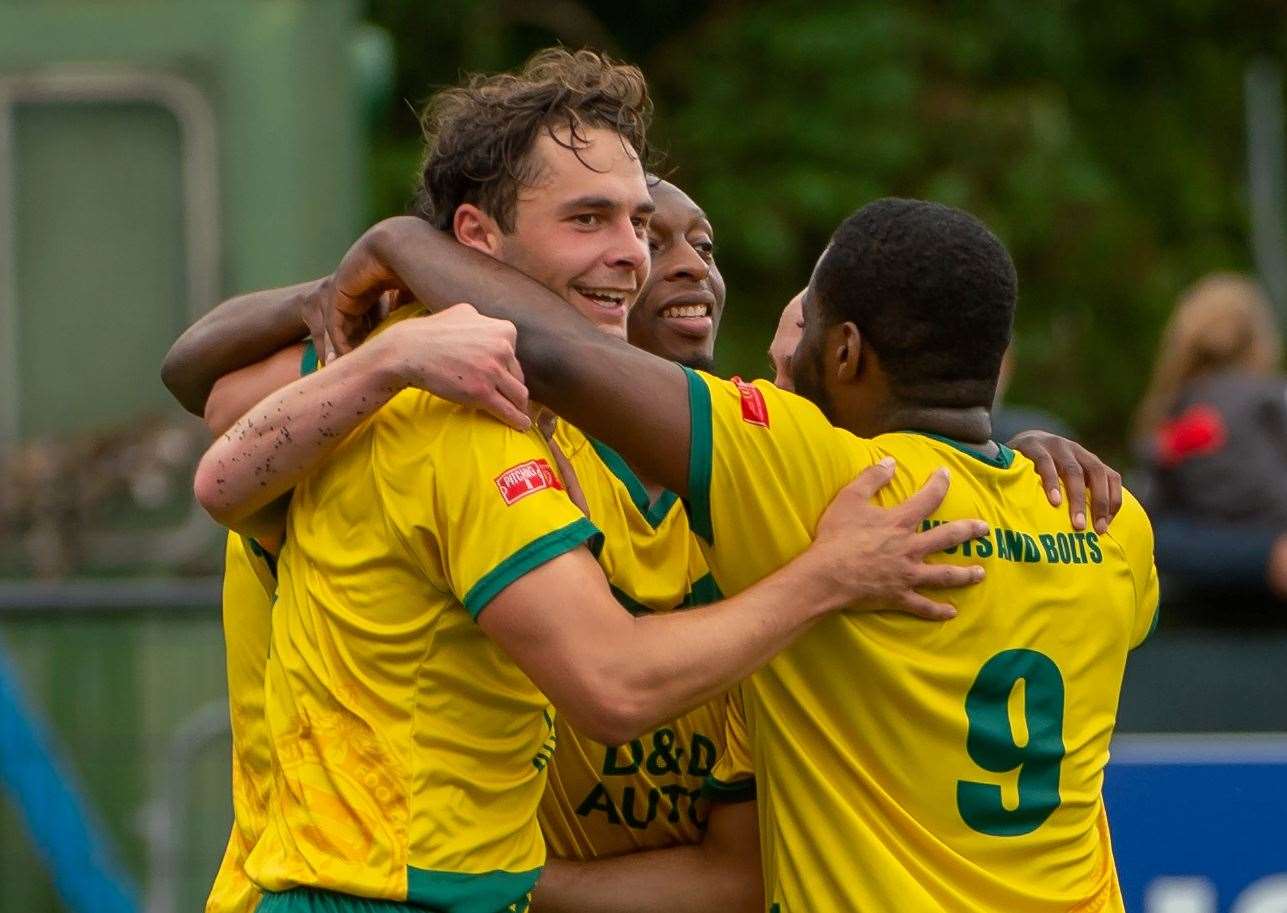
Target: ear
845, 343
475, 228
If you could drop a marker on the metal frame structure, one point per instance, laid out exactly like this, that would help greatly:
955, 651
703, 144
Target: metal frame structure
198, 137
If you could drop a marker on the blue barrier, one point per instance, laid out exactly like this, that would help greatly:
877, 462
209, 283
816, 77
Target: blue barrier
1199, 822
73, 844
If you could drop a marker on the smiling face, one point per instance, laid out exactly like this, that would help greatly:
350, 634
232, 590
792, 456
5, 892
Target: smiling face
580, 227
679, 312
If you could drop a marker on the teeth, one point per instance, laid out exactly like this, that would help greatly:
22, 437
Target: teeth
607, 295
685, 310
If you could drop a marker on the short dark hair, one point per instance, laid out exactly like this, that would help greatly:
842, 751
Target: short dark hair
933, 292
479, 135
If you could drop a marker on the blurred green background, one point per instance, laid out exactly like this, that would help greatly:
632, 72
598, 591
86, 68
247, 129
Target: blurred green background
156, 157
1104, 142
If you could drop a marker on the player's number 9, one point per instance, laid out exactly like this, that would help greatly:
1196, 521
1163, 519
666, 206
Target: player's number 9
992, 745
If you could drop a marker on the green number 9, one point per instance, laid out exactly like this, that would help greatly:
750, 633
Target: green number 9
992, 745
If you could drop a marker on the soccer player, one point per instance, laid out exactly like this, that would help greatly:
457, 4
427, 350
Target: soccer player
408, 748
225, 387
955, 767
596, 804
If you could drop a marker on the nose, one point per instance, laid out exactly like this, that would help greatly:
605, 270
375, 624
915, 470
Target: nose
689, 264
628, 250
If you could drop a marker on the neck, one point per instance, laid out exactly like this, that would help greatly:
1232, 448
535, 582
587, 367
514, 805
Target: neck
972, 425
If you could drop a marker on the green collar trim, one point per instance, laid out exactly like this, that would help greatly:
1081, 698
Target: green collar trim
1003, 459
653, 512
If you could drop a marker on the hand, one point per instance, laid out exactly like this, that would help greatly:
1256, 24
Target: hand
314, 308
876, 556
358, 285
1057, 458
459, 355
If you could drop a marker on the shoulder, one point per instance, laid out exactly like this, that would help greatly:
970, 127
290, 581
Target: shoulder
1132, 531
757, 402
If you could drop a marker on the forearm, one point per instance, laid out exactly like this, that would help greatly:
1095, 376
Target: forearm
675, 880
588, 377
720, 873
671, 663
278, 442
237, 333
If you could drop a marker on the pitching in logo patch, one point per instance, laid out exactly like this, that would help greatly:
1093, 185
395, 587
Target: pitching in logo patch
517, 482
754, 410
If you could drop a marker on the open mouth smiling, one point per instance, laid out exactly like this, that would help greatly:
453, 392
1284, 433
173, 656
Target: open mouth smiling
608, 298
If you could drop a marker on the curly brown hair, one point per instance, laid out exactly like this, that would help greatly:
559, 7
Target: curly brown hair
479, 135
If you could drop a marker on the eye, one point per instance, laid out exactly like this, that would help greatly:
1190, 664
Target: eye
587, 219
705, 248
653, 245
641, 224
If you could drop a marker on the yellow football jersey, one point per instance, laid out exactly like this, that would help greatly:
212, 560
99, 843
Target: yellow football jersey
607, 800
409, 751
906, 765
249, 587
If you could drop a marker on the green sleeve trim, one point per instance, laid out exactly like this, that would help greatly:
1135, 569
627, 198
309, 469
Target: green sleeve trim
705, 591
308, 361
526, 559
736, 791
628, 602
699, 456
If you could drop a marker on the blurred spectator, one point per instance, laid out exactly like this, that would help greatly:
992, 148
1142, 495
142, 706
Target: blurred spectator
1212, 429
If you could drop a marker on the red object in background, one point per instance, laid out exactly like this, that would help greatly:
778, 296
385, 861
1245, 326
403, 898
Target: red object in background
1198, 431
754, 409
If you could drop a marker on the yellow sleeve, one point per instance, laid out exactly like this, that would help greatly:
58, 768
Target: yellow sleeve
483, 503
763, 466
1133, 531
249, 572
733, 778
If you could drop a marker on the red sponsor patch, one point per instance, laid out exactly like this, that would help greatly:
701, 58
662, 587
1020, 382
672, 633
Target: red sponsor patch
517, 482
754, 410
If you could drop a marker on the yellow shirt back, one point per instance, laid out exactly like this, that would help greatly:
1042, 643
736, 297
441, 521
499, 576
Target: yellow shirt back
903, 765
409, 751
607, 800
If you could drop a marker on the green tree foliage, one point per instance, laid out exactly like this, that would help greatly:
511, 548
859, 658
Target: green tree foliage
1103, 142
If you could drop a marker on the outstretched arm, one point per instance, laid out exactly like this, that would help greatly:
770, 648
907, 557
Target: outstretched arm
585, 376
720, 873
592, 379
240, 332
615, 675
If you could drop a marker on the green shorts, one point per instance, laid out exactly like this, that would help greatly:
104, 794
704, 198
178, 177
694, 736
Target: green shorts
313, 900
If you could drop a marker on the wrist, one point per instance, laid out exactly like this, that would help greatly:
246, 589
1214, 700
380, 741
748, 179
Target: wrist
383, 367
816, 591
